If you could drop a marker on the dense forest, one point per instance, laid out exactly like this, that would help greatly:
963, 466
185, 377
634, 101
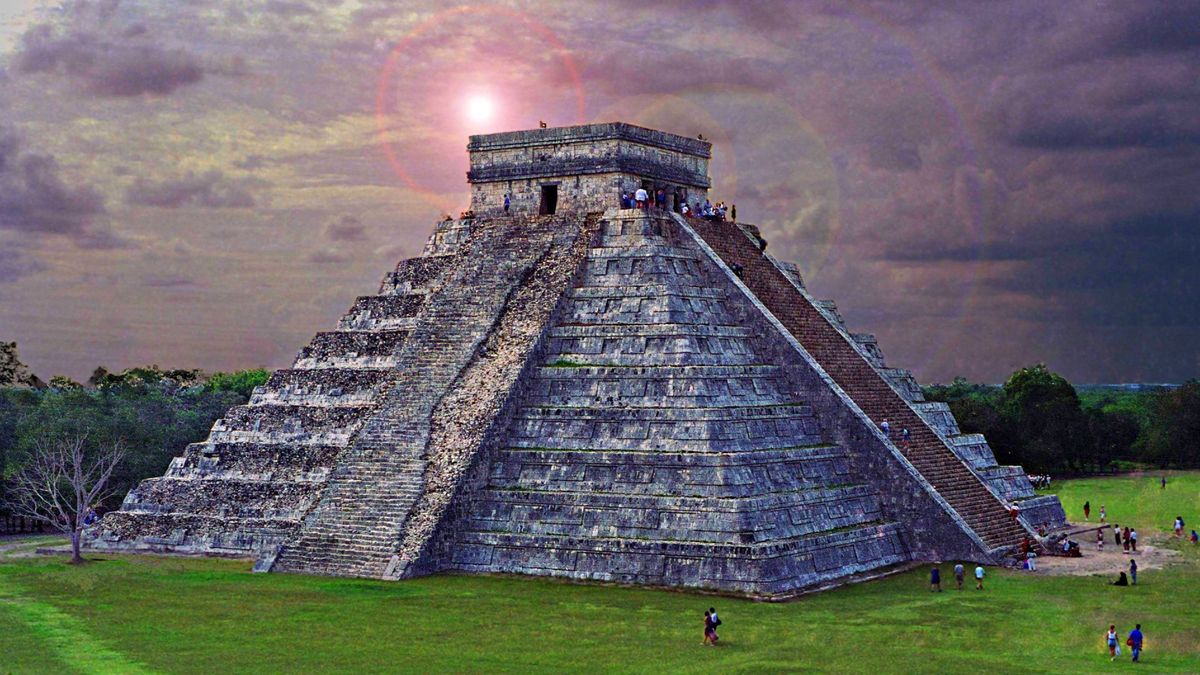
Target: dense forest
1039, 420
1036, 418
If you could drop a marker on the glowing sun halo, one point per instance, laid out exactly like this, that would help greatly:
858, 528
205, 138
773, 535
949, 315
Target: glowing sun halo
480, 108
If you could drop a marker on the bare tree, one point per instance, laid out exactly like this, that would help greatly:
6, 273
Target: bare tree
59, 485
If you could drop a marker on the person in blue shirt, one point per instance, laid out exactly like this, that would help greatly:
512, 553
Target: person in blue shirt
1135, 641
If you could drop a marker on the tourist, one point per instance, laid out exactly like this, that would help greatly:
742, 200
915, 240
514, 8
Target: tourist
1116, 534
1178, 526
979, 577
1135, 642
958, 575
1121, 580
1099, 540
624, 200
1133, 540
1195, 538
935, 579
642, 198
716, 621
1103, 514
506, 203
1111, 639
1164, 482
1087, 510
660, 198
733, 219
1031, 561
1125, 539
1133, 571
887, 428
710, 633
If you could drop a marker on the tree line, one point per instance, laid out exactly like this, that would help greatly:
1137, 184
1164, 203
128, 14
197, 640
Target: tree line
1039, 420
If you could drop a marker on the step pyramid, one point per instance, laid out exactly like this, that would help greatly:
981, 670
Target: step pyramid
600, 393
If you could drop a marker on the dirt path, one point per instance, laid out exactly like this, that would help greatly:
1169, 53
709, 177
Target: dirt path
1112, 560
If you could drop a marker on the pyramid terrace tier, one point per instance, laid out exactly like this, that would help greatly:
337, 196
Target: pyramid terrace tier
660, 386
702, 472
667, 429
366, 349
780, 568
730, 520
321, 386
189, 533
255, 461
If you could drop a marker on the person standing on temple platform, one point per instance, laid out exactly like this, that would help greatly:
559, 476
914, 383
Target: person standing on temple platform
506, 203
642, 198
660, 198
733, 219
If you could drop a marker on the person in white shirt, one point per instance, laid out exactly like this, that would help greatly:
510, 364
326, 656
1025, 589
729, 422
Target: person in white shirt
641, 197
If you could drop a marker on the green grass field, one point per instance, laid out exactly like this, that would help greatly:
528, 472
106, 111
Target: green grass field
135, 614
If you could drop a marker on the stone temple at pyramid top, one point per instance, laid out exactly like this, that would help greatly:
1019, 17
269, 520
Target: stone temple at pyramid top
583, 168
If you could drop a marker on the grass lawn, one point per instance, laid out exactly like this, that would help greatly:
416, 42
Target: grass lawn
132, 614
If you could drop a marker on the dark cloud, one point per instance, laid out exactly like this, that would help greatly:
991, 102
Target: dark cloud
289, 8
15, 264
1154, 27
347, 228
328, 257
34, 199
211, 189
104, 66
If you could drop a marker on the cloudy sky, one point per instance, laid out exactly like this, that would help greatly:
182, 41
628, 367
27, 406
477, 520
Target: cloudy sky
984, 185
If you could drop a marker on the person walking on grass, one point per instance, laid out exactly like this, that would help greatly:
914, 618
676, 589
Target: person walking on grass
1133, 571
1103, 514
1135, 642
1087, 510
1111, 639
935, 579
1164, 483
716, 621
958, 575
1195, 538
1178, 526
1133, 540
979, 577
710, 633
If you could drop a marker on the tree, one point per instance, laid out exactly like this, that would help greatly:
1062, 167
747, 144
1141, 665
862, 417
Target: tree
59, 484
1173, 432
1044, 412
242, 381
14, 373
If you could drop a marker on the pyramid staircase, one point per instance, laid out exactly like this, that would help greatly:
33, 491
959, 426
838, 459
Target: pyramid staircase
983, 510
245, 488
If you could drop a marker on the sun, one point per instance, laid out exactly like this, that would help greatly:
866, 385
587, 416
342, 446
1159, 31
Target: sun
480, 108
